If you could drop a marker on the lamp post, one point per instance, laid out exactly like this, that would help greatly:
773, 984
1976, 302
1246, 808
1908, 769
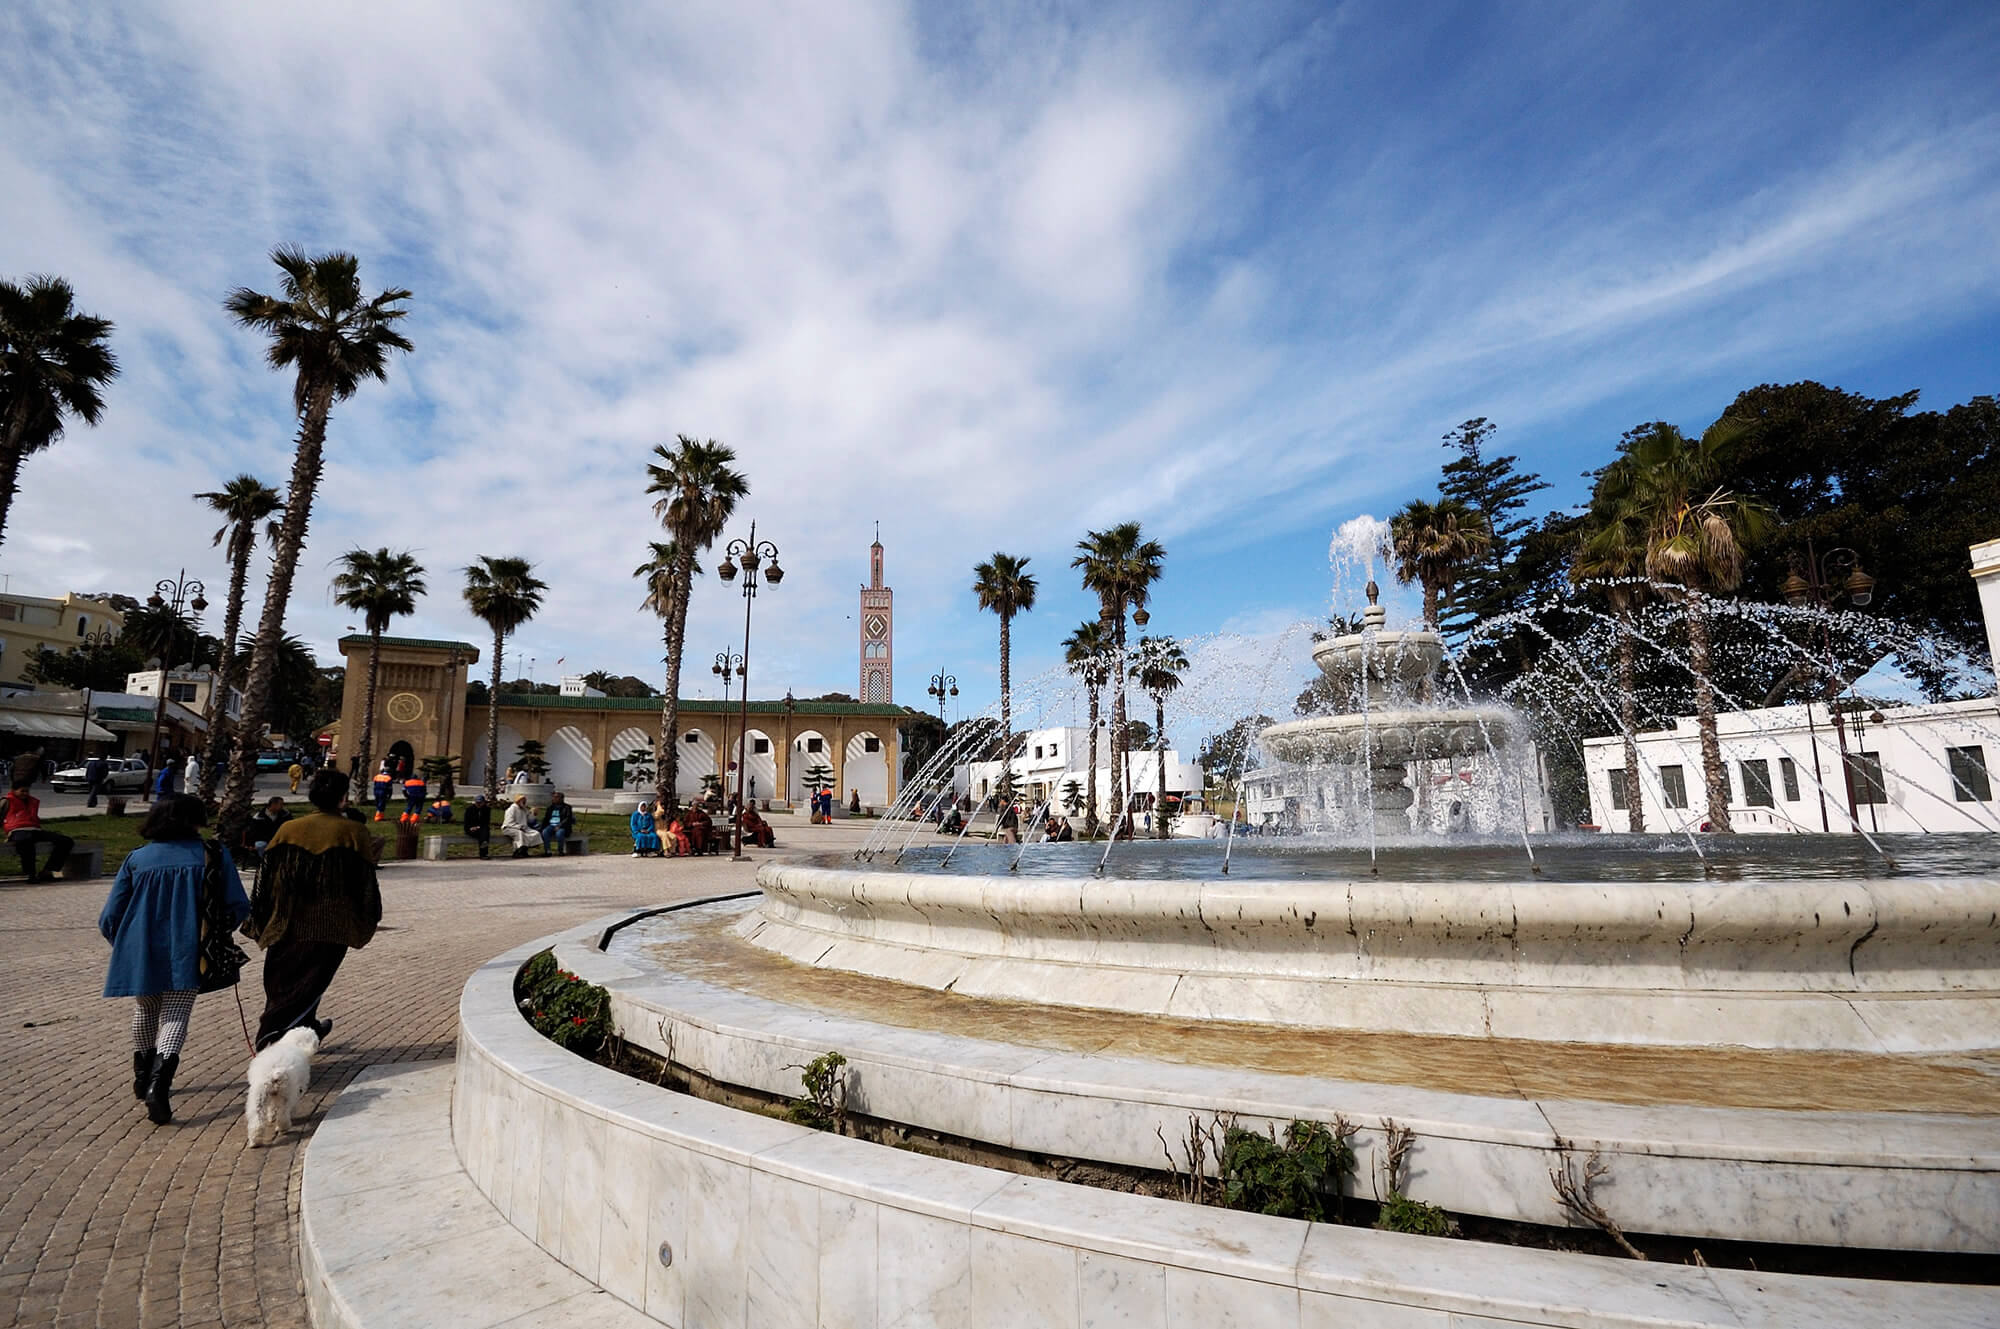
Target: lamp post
726, 667
171, 596
942, 685
784, 791
94, 640
1824, 581
748, 557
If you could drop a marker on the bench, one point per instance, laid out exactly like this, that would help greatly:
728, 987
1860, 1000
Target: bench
438, 847
86, 860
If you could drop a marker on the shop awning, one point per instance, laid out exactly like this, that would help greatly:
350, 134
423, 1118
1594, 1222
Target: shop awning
44, 724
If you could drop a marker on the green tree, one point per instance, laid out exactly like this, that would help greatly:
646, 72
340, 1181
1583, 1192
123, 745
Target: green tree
246, 505
1225, 755
1004, 586
1492, 487
695, 490
1157, 667
54, 365
303, 696
1432, 542
1696, 535
381, 586
1611, 562
1089, 654
332, 339
1119, 566
531, 759
99, 666
502, 593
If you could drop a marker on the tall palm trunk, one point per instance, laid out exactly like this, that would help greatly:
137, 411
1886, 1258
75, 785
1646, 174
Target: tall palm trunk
225, 672
1713, 774
1006, 716
306, 467
1430, 606
669, 766
1119, 738
1160, 765
493, 722
10, 468
365, 749
1090, 806
1628, 721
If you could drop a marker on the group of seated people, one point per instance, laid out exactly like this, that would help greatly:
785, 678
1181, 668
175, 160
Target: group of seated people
691, 830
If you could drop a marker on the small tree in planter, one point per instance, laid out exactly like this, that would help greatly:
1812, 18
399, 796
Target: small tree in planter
639, 767
818, 775
442, 772
532, 760
1072, 797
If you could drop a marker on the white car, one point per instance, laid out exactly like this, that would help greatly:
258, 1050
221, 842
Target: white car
120, 774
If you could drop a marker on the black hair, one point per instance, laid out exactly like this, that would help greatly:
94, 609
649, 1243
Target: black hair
328, 787
174, 817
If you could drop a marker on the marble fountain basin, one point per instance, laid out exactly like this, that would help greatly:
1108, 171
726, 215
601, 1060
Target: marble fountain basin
1393, 735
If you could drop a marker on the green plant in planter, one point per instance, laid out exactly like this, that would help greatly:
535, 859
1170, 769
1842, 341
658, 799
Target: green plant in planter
563, 1008
824, 1108
1402, 1214
1300, 1178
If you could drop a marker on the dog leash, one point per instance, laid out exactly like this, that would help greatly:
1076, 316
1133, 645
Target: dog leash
244, 1020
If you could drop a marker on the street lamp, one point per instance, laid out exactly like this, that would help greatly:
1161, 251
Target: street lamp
1823, 582
748, 557
171, 596
942, 685
726, 667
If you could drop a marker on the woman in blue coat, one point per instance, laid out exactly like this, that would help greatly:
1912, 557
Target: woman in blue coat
645, 832
153, 922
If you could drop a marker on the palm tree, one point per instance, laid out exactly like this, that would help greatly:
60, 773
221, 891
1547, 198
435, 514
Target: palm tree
245, 504
1087, 654
1432, 541
381, 587
696, 491
661, 574
1004, 586
54, 362
1119, 567
1157, 670
1696, 535
503, 593
332, 339
1612, 554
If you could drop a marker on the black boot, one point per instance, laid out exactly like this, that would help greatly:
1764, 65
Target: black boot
142, 1074
158, 1105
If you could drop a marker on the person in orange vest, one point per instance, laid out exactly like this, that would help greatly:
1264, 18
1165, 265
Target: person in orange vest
382, 786
414, 789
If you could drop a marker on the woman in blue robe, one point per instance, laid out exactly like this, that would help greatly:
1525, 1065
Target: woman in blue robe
645, 835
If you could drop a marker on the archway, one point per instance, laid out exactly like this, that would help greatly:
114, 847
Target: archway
865, 770
402, 759
621, 771
569, 759
697, 749
810, 750
760, 773
475, 765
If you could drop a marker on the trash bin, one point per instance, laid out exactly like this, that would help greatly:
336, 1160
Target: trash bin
114, 806
406, 840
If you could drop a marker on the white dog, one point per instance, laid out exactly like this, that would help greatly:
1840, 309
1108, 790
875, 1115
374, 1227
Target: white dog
278, 1075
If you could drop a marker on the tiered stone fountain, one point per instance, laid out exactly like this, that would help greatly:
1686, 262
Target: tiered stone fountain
1391, 673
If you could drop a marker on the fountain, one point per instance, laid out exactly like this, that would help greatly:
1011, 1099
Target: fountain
1388, 672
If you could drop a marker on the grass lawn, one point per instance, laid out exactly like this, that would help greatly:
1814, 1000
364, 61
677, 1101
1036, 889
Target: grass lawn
609, 833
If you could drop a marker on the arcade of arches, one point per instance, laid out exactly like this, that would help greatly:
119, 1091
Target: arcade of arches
854, 747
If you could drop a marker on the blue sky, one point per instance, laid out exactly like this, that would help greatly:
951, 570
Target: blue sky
990, 278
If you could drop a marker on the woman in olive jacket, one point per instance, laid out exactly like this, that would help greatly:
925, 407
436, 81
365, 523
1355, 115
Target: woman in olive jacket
316, 897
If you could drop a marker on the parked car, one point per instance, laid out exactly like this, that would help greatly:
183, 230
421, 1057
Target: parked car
122, 774
272, 760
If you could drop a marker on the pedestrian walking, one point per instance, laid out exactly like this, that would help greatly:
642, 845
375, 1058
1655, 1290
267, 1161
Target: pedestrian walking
95, 772
296, 774
479, 821
316, 898
383, 782
168, 920
414, 789
191, 773
25, 831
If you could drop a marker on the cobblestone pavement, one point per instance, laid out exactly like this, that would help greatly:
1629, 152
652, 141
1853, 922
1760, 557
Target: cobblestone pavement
108, 1220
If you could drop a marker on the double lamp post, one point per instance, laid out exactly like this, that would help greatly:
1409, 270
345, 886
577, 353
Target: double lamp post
751, 558
173, 596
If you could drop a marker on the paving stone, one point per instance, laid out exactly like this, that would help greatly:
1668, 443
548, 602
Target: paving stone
184, 1225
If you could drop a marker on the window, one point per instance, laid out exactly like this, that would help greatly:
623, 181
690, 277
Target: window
1052, 751
1038, 752
82, 624
1970, 782
1757, 784
1789, 769
1864, 778
1618, 789
814, 745
1673, 779
180, 692
691, 736
760, 745
10, 612
870, 743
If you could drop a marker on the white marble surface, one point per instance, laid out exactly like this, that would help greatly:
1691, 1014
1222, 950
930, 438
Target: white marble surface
888, 1238
1770, 965
1933, 1180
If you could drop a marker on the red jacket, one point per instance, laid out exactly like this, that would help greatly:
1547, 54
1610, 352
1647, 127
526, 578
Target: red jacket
24, 811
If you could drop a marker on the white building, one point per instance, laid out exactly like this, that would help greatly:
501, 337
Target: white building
1054, 764
1906, 768
576, 685
189, 687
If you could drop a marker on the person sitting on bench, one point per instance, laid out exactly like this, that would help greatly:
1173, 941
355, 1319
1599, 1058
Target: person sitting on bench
25, 831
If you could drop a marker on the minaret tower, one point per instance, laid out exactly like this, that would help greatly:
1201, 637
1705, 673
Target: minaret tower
878, 630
